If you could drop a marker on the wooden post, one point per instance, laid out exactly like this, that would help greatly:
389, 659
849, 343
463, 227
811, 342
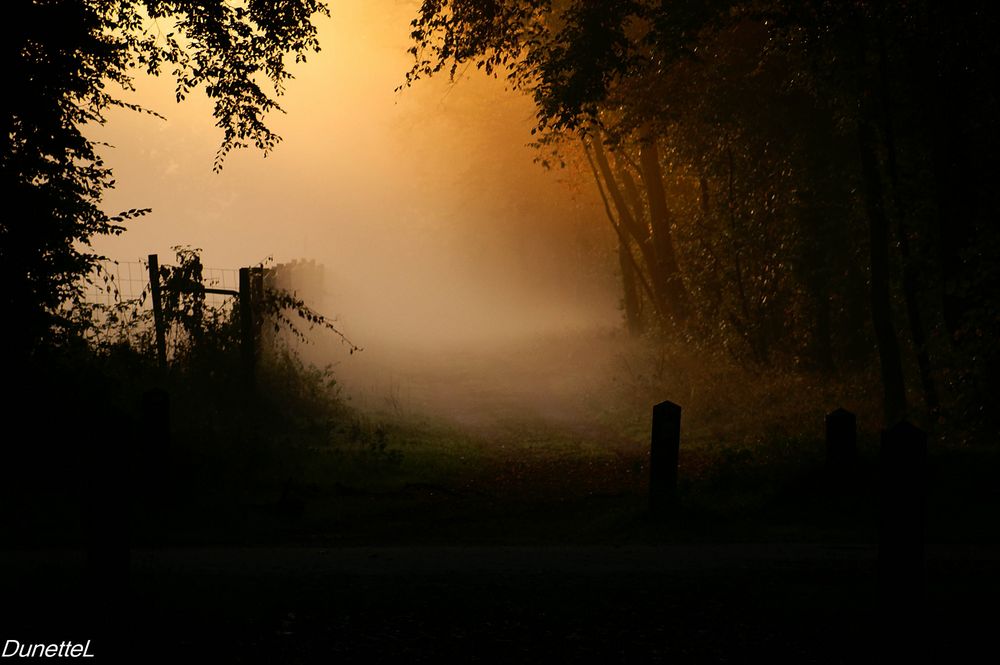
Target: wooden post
158, 323
247, 327
841, 442
903, 461
663, 457
257, 298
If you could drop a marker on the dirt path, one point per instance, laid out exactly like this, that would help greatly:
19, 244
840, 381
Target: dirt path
555, 381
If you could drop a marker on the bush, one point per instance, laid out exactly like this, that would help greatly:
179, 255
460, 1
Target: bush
229, 443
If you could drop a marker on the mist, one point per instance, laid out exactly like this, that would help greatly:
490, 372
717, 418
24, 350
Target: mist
721, 387
436, 230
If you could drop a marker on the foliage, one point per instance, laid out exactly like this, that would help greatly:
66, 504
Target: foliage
196, 330
242, 440
64, 58
280, 307
800, 183
622, 75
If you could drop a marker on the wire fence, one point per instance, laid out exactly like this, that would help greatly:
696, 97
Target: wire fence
116, 282
118, 305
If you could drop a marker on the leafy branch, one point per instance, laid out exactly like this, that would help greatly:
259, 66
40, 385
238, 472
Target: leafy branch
277, 303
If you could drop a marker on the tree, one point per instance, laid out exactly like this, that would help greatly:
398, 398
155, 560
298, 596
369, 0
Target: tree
63, 59
764, 164
619, 74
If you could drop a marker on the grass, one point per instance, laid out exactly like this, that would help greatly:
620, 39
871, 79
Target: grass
434, 483
296, 464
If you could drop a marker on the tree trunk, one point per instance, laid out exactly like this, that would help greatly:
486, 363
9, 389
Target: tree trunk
822, 332
911, 287
660, 222
633, 312
638, 231
631, 271
944, 82
893, 384
749, 326
632, 194
712, 286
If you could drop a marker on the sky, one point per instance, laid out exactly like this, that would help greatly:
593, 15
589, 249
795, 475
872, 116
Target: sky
425, 207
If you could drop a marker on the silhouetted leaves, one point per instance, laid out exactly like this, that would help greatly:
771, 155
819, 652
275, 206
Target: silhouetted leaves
277, 305
63, 60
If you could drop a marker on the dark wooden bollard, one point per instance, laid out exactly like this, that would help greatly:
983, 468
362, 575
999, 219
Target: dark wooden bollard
841, 442
903, 461
663, 456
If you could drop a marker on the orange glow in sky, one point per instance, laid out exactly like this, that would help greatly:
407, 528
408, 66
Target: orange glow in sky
425, 206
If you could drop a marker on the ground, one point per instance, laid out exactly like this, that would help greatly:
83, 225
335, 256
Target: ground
506, 519
681, 603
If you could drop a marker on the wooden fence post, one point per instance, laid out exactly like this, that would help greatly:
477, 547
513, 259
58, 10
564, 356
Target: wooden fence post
257, 298
663, 457
247, 327
841, 442
158, 323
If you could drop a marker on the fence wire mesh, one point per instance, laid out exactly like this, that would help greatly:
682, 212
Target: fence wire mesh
117, 301
116, 282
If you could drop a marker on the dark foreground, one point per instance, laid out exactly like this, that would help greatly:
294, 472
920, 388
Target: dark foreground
791, 603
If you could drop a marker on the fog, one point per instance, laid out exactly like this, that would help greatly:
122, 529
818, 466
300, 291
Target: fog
440, 238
